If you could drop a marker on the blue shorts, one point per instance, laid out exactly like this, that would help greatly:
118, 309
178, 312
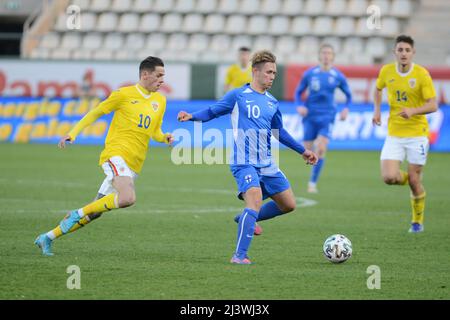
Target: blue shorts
270, 180
317, 126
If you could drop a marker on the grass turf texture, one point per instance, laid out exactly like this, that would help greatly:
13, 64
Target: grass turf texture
176, 241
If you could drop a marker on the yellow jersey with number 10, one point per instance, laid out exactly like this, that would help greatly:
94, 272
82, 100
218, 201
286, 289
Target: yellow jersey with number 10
138, 116
406, 90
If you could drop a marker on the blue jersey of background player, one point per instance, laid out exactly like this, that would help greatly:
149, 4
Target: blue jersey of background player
255, 117
319, 110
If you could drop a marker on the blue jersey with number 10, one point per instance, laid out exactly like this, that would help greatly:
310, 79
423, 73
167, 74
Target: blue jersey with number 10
253, 116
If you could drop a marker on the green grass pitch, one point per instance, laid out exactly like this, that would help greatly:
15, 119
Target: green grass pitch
176, 241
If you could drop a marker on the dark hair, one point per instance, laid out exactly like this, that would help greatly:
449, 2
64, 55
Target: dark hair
406, 39
150, 63
244, 49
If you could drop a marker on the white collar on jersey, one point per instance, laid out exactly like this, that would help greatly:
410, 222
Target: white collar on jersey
146, 96
406, 73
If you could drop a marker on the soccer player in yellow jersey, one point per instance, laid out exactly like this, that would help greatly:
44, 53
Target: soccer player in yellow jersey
240, 73
411, 95
138, 114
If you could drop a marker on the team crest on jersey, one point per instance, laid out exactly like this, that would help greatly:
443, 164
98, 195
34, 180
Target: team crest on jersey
315, 84
412, 82
331, 80
270, 104
155, 106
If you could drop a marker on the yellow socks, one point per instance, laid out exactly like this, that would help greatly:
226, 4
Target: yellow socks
418, 207
89, 212
405, 177
106, 203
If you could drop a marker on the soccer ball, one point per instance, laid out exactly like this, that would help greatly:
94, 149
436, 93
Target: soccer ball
337, 248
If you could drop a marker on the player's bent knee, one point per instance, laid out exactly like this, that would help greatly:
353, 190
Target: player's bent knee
289, 207
390, 179
127, 200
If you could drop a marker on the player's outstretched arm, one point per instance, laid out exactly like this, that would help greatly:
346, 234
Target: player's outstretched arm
87, 120
310, 157
184, 116
376, 119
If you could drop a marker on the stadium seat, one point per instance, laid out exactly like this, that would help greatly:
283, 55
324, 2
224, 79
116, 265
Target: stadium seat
241, 40
163, 6
297, 58
128, 22
314, 7
257, 25
357, 8
248, 6
361, 28
171, 22
301, 25
107, 22
113, 41
61, 23
177, 42
193, 22
92, 41
235, 24
335, 42
361, 59
142, 6
390, 27
353, 45
124, 54
150, 22
121, 6
70, 40
323, 26
156, 41
198, 42
279, 25
135, 41
270, 7
206, 6
102, 55
215, 23
286, 44
376, 47
263, 42
40, 53
220, 43
82, 54
184, 6
60, 54
50, 40
83, 4
345, 26
336, 7
228, 6
292, 7
100, 5
144, 53
309, 45
384, 5
88, 21
401, 8
342, 59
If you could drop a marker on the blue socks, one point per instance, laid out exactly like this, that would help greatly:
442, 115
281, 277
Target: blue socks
316, 169
246, 227
268, 211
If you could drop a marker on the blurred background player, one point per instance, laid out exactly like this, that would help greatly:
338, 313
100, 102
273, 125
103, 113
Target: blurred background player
138, 114
319, 109
239, 73
411, 95
86, 89
256, 174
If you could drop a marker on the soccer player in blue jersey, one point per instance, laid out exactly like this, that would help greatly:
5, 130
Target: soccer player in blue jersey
255, 116
319, 110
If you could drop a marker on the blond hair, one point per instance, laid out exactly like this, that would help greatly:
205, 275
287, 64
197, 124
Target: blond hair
261, 57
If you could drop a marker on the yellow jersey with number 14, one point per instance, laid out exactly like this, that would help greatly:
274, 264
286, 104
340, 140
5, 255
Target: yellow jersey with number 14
138, 115
406, 90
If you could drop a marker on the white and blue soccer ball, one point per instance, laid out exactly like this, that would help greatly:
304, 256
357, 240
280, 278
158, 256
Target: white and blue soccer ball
337, 248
